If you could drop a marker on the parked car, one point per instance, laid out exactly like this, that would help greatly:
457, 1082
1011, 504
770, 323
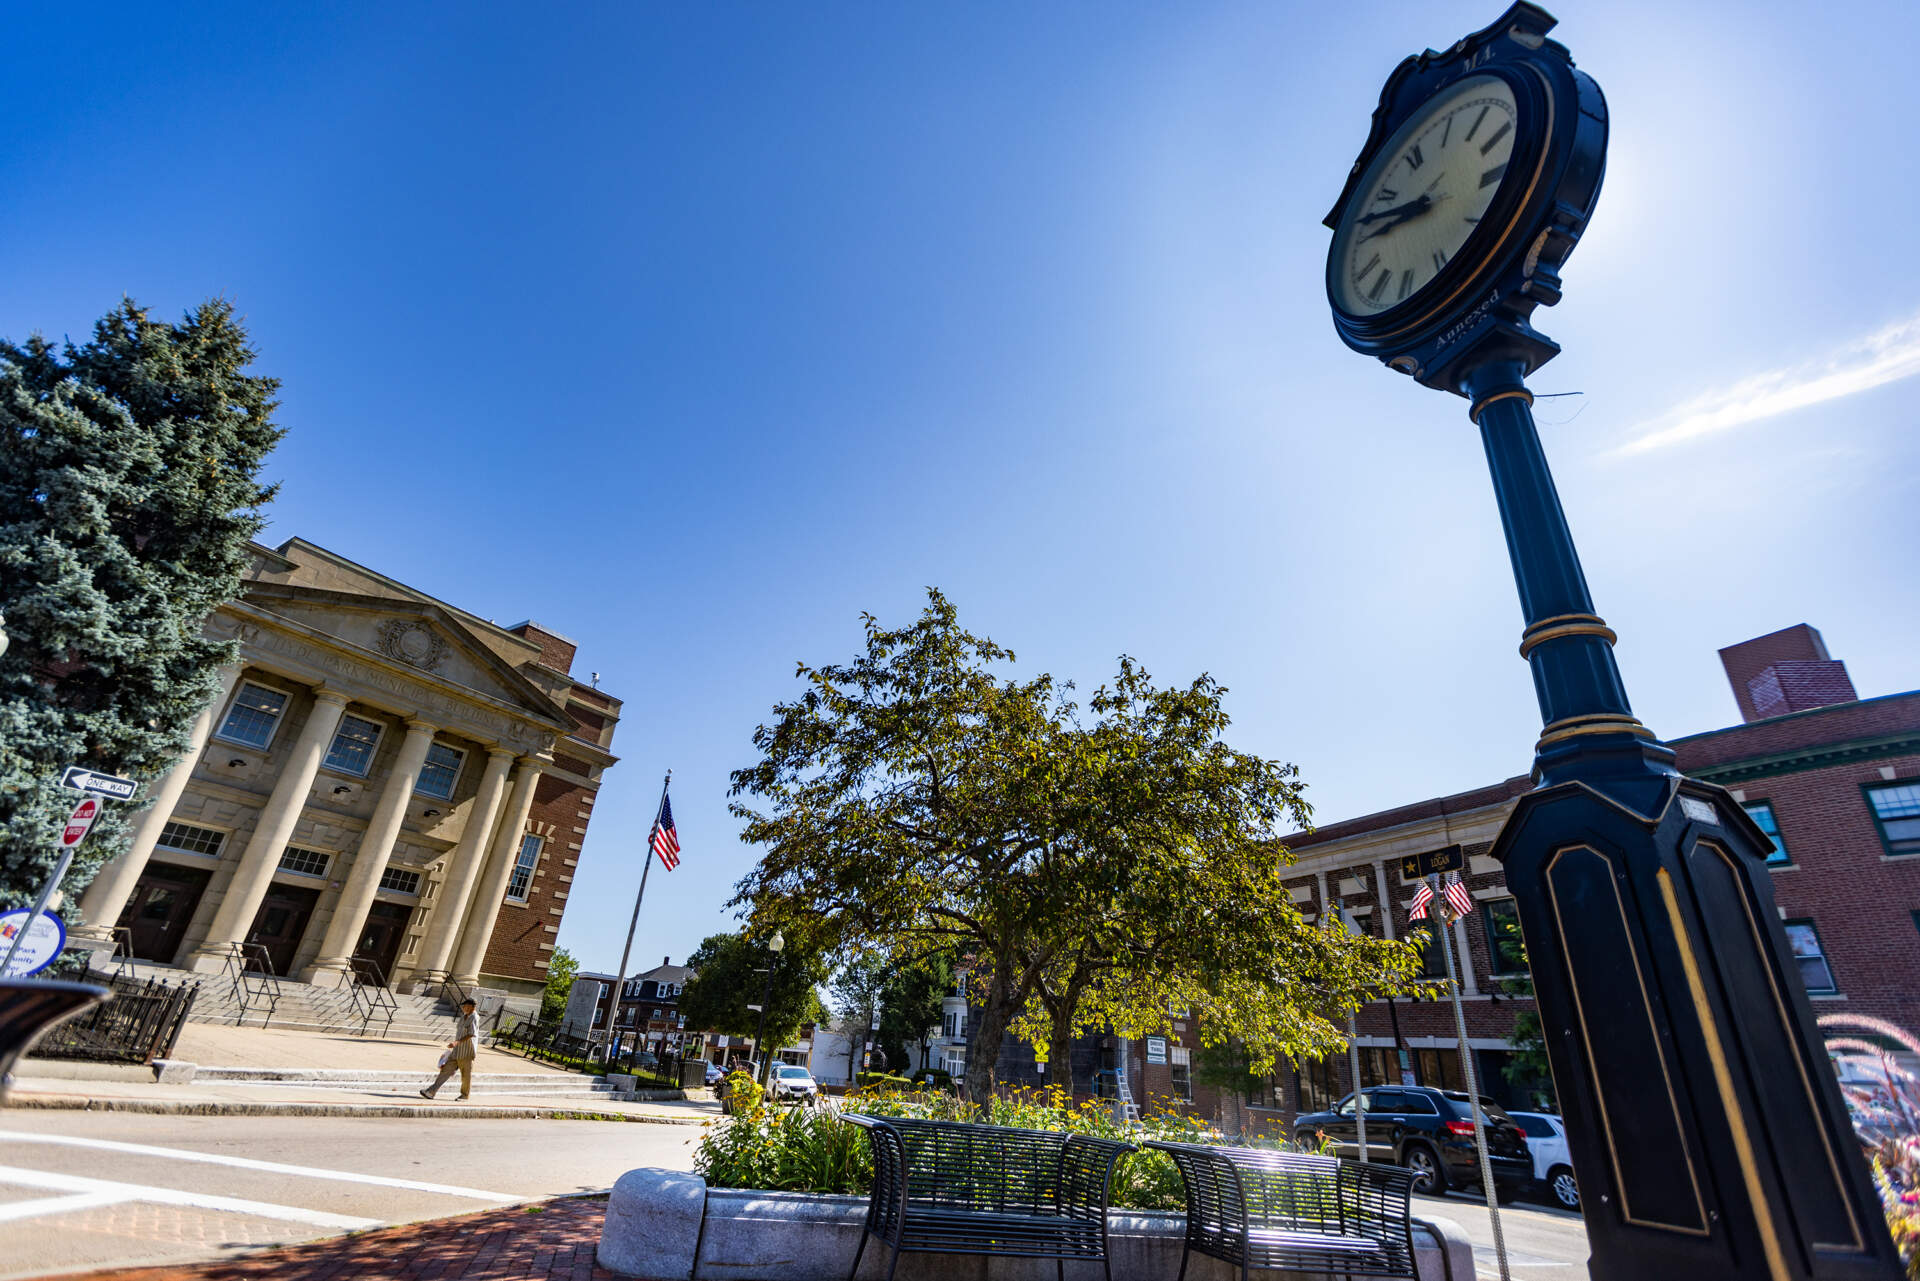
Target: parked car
1430, 1132
794, 1083
714, 1074
1552, 1165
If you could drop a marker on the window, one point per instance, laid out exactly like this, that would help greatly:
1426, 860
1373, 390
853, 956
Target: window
1182, 1066
1263, 1092
192, 840
1313, 1080
441, 771
1503, 937
1533, 1125
353, 744
253, 716
400, 880
1761, 812
304, 862
1433, 959
522, 879
1804, 939
1897, 810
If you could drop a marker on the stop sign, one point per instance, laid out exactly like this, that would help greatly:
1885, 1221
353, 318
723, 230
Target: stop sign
78, 822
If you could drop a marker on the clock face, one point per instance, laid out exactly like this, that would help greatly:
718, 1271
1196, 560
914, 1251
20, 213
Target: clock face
1424, 195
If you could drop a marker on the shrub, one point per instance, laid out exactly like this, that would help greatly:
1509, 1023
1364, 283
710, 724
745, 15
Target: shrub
814, 1150
882, 1081
741, 1093
933, 1078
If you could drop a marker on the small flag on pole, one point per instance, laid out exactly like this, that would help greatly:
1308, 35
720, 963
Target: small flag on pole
1421, 897
1459, 896
666, 841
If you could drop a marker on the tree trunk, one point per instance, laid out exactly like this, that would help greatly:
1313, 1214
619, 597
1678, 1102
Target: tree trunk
984, 1037
1060, 1057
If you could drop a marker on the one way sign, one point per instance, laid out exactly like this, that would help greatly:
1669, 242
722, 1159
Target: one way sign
86, 780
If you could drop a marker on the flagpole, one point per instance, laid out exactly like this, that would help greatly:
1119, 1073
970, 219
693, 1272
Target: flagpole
620, 979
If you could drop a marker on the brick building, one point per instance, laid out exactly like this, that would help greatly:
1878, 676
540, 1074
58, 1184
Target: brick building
1834, 778
648, 1014
388, 788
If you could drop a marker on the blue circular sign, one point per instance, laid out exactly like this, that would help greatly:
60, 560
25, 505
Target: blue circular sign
45, 937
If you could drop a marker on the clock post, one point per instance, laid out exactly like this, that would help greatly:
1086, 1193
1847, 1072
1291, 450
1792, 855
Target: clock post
1707, 1129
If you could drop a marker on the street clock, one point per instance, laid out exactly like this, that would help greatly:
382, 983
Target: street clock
1480, 170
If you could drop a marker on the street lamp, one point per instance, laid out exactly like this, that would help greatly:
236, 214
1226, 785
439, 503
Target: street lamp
774, 945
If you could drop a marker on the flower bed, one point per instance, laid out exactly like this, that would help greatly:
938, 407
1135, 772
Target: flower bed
813, 1150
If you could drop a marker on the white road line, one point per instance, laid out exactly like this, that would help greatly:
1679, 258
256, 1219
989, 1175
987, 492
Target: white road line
169, 1196
59, 1205
265, 1167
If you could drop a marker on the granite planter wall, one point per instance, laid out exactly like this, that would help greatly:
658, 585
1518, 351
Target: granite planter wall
668, 1225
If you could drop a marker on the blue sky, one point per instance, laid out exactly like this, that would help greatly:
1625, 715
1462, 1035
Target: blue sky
692, 332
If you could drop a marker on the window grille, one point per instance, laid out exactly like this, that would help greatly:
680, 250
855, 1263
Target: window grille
353, 746
254, 715
400, 880
304, 862
522, 879
192, 840
440, 772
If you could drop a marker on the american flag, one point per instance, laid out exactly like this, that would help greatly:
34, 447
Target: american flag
666, 841
1459, 896
1421, 897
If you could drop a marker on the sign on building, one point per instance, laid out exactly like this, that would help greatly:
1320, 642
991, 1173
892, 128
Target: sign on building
1156, 1049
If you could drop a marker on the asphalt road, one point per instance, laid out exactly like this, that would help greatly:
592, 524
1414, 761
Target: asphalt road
86, 1190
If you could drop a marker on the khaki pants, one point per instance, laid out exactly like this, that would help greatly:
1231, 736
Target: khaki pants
464, 1067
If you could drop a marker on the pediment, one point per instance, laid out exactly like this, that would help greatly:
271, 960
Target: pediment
411, 635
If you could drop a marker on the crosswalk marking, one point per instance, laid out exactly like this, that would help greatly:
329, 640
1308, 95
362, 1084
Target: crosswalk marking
170, 1196
265, 1167
59, 1205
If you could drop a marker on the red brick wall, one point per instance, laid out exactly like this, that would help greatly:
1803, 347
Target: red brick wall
555, 652
1748, 659
515, 950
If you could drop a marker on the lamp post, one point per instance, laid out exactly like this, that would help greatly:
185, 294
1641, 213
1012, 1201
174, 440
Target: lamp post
774, 945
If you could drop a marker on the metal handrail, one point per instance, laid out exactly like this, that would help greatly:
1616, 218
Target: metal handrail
241, 960
370, 993
123, 961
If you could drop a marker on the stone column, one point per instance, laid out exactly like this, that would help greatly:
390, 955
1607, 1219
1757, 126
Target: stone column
333, 966
484, 908
462, 870
1383, 900
112, 885
270, 834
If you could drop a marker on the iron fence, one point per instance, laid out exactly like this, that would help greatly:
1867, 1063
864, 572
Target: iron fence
138, 1023
563, 1044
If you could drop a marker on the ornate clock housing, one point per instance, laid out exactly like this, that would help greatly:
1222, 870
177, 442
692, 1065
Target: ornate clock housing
1478, 176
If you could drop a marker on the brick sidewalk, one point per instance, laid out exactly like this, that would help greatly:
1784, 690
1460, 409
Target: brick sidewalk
545, 1241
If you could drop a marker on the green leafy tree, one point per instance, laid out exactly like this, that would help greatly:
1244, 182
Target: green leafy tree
129, 488
730, 973
561, 967
1105, 871
905, 989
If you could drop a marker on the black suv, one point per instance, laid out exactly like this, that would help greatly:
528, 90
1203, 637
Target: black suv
1431, 1133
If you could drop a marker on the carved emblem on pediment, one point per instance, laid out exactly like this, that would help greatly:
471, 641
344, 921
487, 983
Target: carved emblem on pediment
413, 643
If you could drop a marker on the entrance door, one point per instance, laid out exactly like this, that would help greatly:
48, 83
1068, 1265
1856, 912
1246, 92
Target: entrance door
160, 909
380, 936
281, 923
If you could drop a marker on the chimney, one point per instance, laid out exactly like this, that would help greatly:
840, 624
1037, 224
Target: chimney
556, 651
666, 960
1785, 671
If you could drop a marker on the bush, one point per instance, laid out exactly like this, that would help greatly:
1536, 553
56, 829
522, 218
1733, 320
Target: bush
935, 1078
814, 1150
882, 1081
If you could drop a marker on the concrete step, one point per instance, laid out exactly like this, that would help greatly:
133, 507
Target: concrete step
552, 1085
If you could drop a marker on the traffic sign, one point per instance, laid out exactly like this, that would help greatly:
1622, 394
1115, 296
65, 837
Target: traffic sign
38, 945
81, 779
79, 823
1449, 859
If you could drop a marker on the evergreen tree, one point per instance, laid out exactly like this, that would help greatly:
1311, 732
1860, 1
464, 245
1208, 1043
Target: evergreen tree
129, 488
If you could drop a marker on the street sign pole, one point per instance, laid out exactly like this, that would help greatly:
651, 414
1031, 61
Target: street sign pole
1353, 1049
72, 832
1444, 911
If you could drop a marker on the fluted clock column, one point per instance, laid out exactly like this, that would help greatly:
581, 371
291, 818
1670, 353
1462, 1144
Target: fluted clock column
485, 907
270, 835
334, 967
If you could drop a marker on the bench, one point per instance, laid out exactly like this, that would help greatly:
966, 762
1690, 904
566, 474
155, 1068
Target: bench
1260, 1208
943, 1187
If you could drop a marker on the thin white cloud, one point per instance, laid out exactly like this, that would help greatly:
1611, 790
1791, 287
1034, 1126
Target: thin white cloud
1880, 358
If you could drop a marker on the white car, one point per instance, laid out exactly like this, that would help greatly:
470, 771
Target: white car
790, 1082
1552, 1165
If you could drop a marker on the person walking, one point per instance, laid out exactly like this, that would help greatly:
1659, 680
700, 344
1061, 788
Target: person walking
460, 1052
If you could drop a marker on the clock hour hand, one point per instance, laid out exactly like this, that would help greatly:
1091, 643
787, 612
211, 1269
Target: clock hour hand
1399, 214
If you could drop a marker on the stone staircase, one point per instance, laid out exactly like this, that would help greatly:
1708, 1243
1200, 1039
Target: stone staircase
303, 1007
545, 1085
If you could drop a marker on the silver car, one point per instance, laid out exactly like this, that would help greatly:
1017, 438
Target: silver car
1552, 1165
790, 1083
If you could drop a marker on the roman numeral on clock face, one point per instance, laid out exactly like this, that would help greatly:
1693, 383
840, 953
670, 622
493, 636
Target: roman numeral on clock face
1414, 158
1439, 259
1493, 175
1379, 284
1371, 264
1406, 283
1495, 137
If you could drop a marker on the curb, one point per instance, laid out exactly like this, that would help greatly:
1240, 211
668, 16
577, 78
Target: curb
170, 1107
